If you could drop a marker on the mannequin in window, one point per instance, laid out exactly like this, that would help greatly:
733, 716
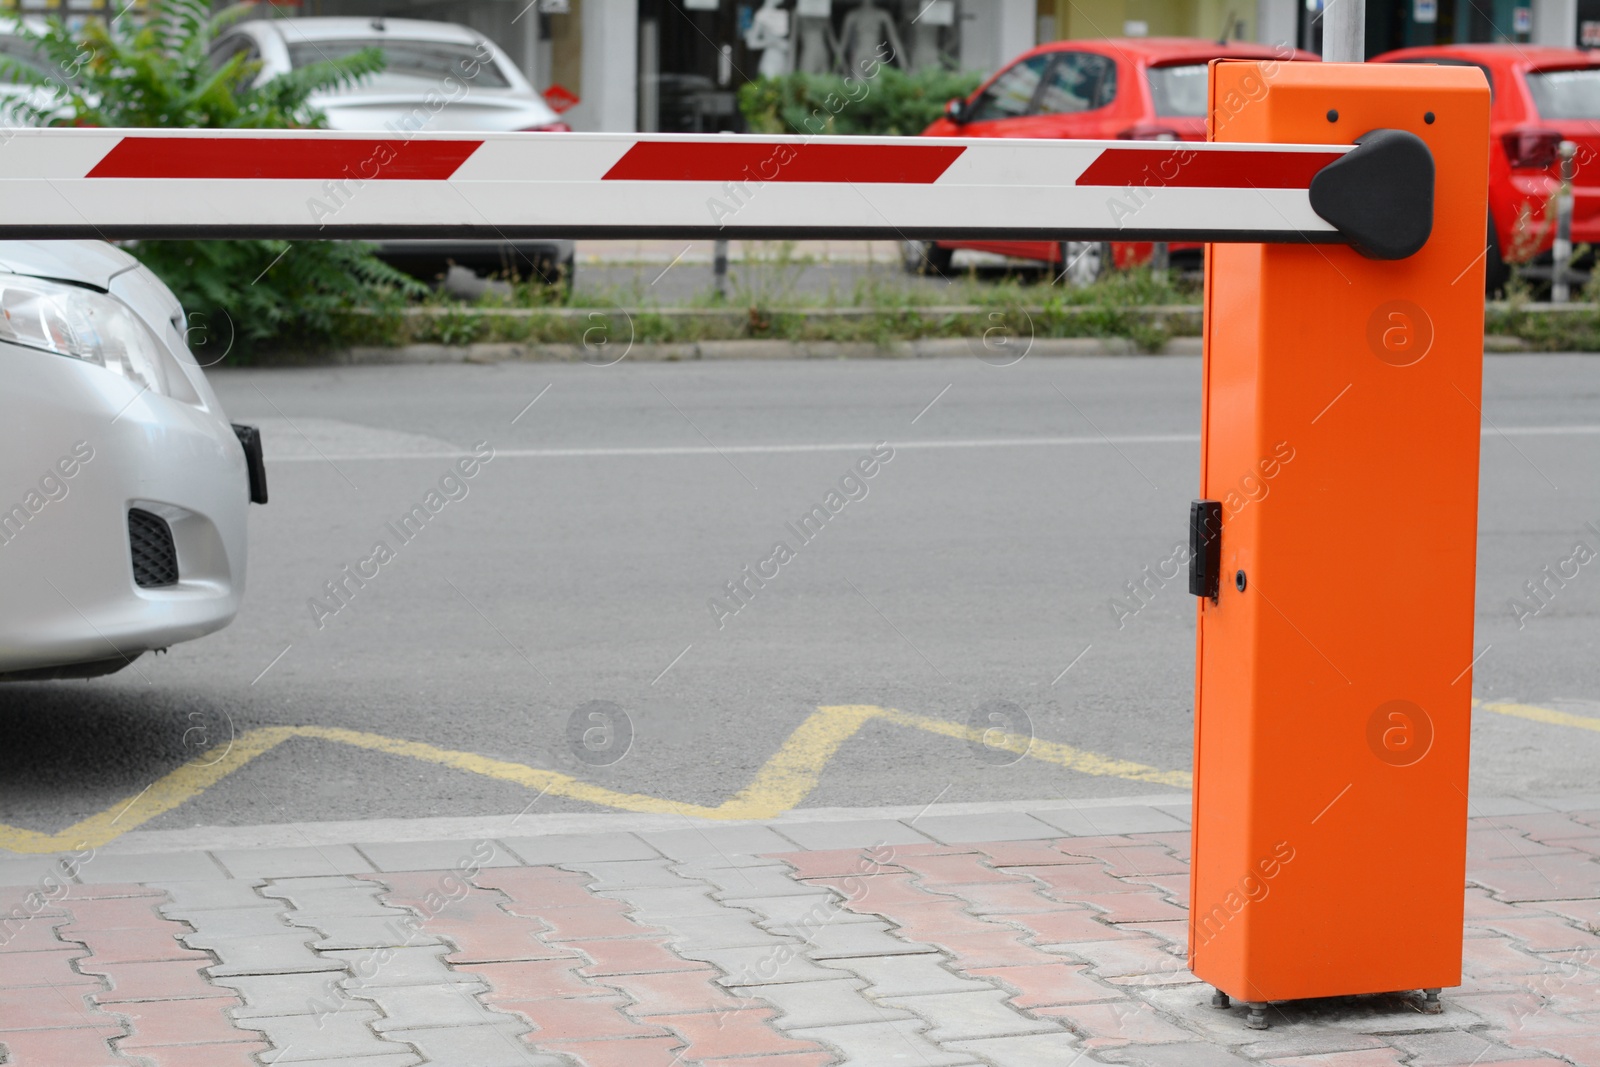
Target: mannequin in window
816, 46
769, 35
865, 32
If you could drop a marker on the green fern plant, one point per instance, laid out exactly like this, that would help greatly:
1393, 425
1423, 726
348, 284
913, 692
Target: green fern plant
157, 72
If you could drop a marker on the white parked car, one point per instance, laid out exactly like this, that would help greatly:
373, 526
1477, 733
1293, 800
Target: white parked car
439, 77
123, 487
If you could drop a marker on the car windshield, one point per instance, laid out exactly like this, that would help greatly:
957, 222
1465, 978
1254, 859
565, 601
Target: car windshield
411, 65
1179, 91
1566, 94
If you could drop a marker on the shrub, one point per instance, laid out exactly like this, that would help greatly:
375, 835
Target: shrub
891, 103
157, 73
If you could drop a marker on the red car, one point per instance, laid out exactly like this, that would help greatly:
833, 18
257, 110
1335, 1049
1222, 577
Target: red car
1144, 88
1541, 96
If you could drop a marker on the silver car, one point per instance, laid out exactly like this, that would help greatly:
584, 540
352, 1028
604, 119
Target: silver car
123, 487
440, 77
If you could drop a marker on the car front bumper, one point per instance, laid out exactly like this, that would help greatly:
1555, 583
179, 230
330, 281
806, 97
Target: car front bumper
80, 448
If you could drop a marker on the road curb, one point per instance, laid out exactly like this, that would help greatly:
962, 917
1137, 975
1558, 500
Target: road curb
702, 351
760, 349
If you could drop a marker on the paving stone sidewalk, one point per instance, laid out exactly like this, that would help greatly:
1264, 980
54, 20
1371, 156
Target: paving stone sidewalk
1006, 938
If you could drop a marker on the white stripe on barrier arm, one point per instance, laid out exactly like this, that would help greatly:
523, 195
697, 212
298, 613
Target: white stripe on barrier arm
309, 184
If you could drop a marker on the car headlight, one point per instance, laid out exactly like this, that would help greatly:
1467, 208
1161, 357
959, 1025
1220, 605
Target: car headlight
70, 320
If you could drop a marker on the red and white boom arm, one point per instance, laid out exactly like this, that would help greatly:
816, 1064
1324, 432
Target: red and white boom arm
322, 184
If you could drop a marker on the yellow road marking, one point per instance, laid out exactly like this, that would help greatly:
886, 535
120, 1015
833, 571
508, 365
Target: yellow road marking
782, 783
1545, 715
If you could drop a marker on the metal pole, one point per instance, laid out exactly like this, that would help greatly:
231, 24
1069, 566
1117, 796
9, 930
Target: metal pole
1344, 31
1561, 251
719, 266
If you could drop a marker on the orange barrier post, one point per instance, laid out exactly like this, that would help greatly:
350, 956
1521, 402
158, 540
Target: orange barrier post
1333, 664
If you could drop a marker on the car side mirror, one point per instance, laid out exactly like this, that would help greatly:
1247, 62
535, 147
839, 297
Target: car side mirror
956, 110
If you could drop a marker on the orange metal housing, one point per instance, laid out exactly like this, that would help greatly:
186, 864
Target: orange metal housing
1341, 434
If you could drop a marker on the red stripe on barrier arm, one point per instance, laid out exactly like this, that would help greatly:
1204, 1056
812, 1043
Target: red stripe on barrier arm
283, 157
706, 161
1197, 168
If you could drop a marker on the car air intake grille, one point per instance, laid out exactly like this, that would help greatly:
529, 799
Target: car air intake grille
155, 558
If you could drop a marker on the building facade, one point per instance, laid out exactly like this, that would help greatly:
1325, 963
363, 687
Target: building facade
676, 65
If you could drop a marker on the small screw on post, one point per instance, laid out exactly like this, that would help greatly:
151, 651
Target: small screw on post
1239, 581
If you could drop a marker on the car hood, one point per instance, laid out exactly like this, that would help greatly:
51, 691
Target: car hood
84, 262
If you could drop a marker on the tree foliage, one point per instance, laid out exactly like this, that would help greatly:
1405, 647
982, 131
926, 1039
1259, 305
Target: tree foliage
155, 70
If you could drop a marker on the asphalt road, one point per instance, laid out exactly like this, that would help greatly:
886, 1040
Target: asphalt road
578, 565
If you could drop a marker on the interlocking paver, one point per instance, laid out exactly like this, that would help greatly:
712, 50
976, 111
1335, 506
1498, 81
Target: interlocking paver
474, 1046
809, 1004
676, 993
1446, 1049
163, 980
396, 966
813, 909
79, 1047
149, 867
877, 892
459, 1003
1069, 884
226, 1054
851, 939
629, 955
692, 935
1096, 822
761, 964
1134, 907
963, 1016
51, 1007
899, 1041
1377, 1057
1044, 985
748, 840
1121, 1022
621, 1052
277, 954
213, 896
851, 833
294, 861
891, 976
998, 826
154, 1023
618, 874
622, 957
745, 1032
44, 967
1056, 1049
1184, 1055
650, 903
340, 1035
838, 863
579, 848
1025, 853
770, 879
536, 890
1565, 876
434, 855
577, 1018
1001, 898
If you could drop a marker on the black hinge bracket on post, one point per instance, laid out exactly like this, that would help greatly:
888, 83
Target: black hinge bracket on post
1379, 196
1205, 548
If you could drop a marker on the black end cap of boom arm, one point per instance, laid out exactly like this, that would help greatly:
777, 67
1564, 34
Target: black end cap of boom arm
1380, 195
